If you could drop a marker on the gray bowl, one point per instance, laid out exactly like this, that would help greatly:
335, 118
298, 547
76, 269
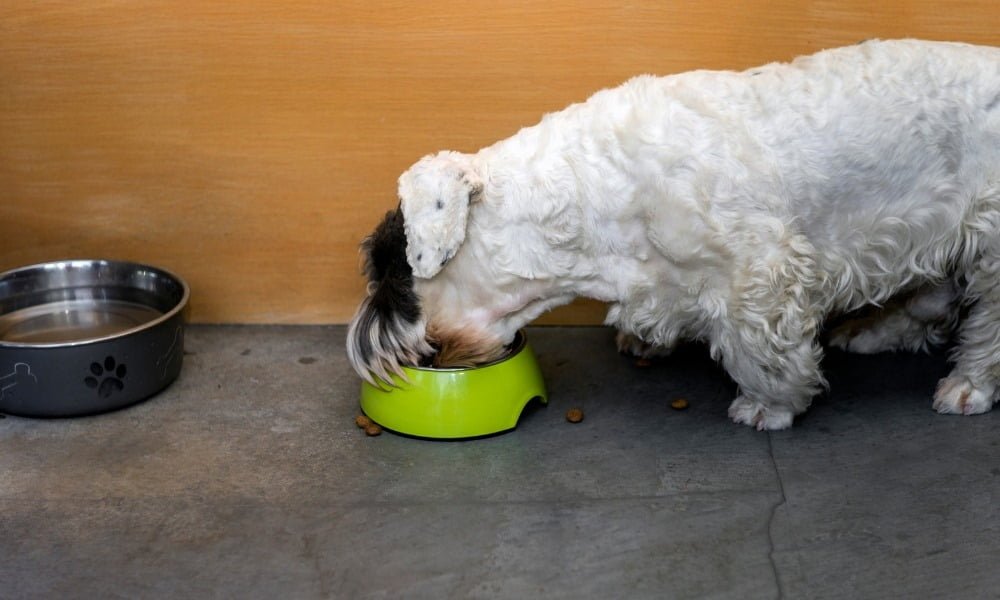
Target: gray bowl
86, 336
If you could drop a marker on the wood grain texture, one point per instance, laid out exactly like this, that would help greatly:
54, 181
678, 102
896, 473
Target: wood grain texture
250, 146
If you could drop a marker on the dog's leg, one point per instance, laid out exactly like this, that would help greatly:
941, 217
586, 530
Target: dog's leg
768, 344
972, 385
775, 383
924, 318
632, 345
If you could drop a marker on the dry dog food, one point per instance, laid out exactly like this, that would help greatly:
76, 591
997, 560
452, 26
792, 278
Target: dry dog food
373, 430
643, 362
679, 404
574, 415
362, 421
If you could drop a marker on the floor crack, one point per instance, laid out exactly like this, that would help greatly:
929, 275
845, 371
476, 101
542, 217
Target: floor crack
770, 519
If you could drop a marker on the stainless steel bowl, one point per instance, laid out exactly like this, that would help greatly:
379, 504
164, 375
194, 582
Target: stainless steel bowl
86, 336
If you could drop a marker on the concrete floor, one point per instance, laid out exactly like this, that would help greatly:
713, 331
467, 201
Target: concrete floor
248, 479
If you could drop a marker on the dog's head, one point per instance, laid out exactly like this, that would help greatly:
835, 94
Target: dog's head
428, 294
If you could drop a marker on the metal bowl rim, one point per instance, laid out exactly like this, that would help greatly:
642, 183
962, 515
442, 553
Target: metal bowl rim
179, 307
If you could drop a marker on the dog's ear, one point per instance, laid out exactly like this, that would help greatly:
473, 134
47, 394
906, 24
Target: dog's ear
435, 195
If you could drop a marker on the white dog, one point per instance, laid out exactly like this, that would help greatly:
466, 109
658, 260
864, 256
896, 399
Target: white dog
741, 209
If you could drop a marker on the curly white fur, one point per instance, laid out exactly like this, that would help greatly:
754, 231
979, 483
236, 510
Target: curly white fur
741, 209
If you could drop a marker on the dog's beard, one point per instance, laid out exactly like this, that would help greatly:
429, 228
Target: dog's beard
379, 346
463, 348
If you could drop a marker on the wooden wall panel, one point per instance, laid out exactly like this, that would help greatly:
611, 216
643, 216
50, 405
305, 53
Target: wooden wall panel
251, 145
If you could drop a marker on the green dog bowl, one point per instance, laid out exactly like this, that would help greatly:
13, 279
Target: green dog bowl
458, 403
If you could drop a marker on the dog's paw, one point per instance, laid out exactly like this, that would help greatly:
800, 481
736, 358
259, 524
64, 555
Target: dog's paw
956, 395
755, 414
631, 345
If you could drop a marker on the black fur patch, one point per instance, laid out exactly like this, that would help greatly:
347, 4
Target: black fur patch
392, 299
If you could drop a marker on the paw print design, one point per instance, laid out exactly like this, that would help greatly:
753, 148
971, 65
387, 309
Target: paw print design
106, 378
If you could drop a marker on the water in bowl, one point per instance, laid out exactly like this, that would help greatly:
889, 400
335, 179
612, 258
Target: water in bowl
73, 320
